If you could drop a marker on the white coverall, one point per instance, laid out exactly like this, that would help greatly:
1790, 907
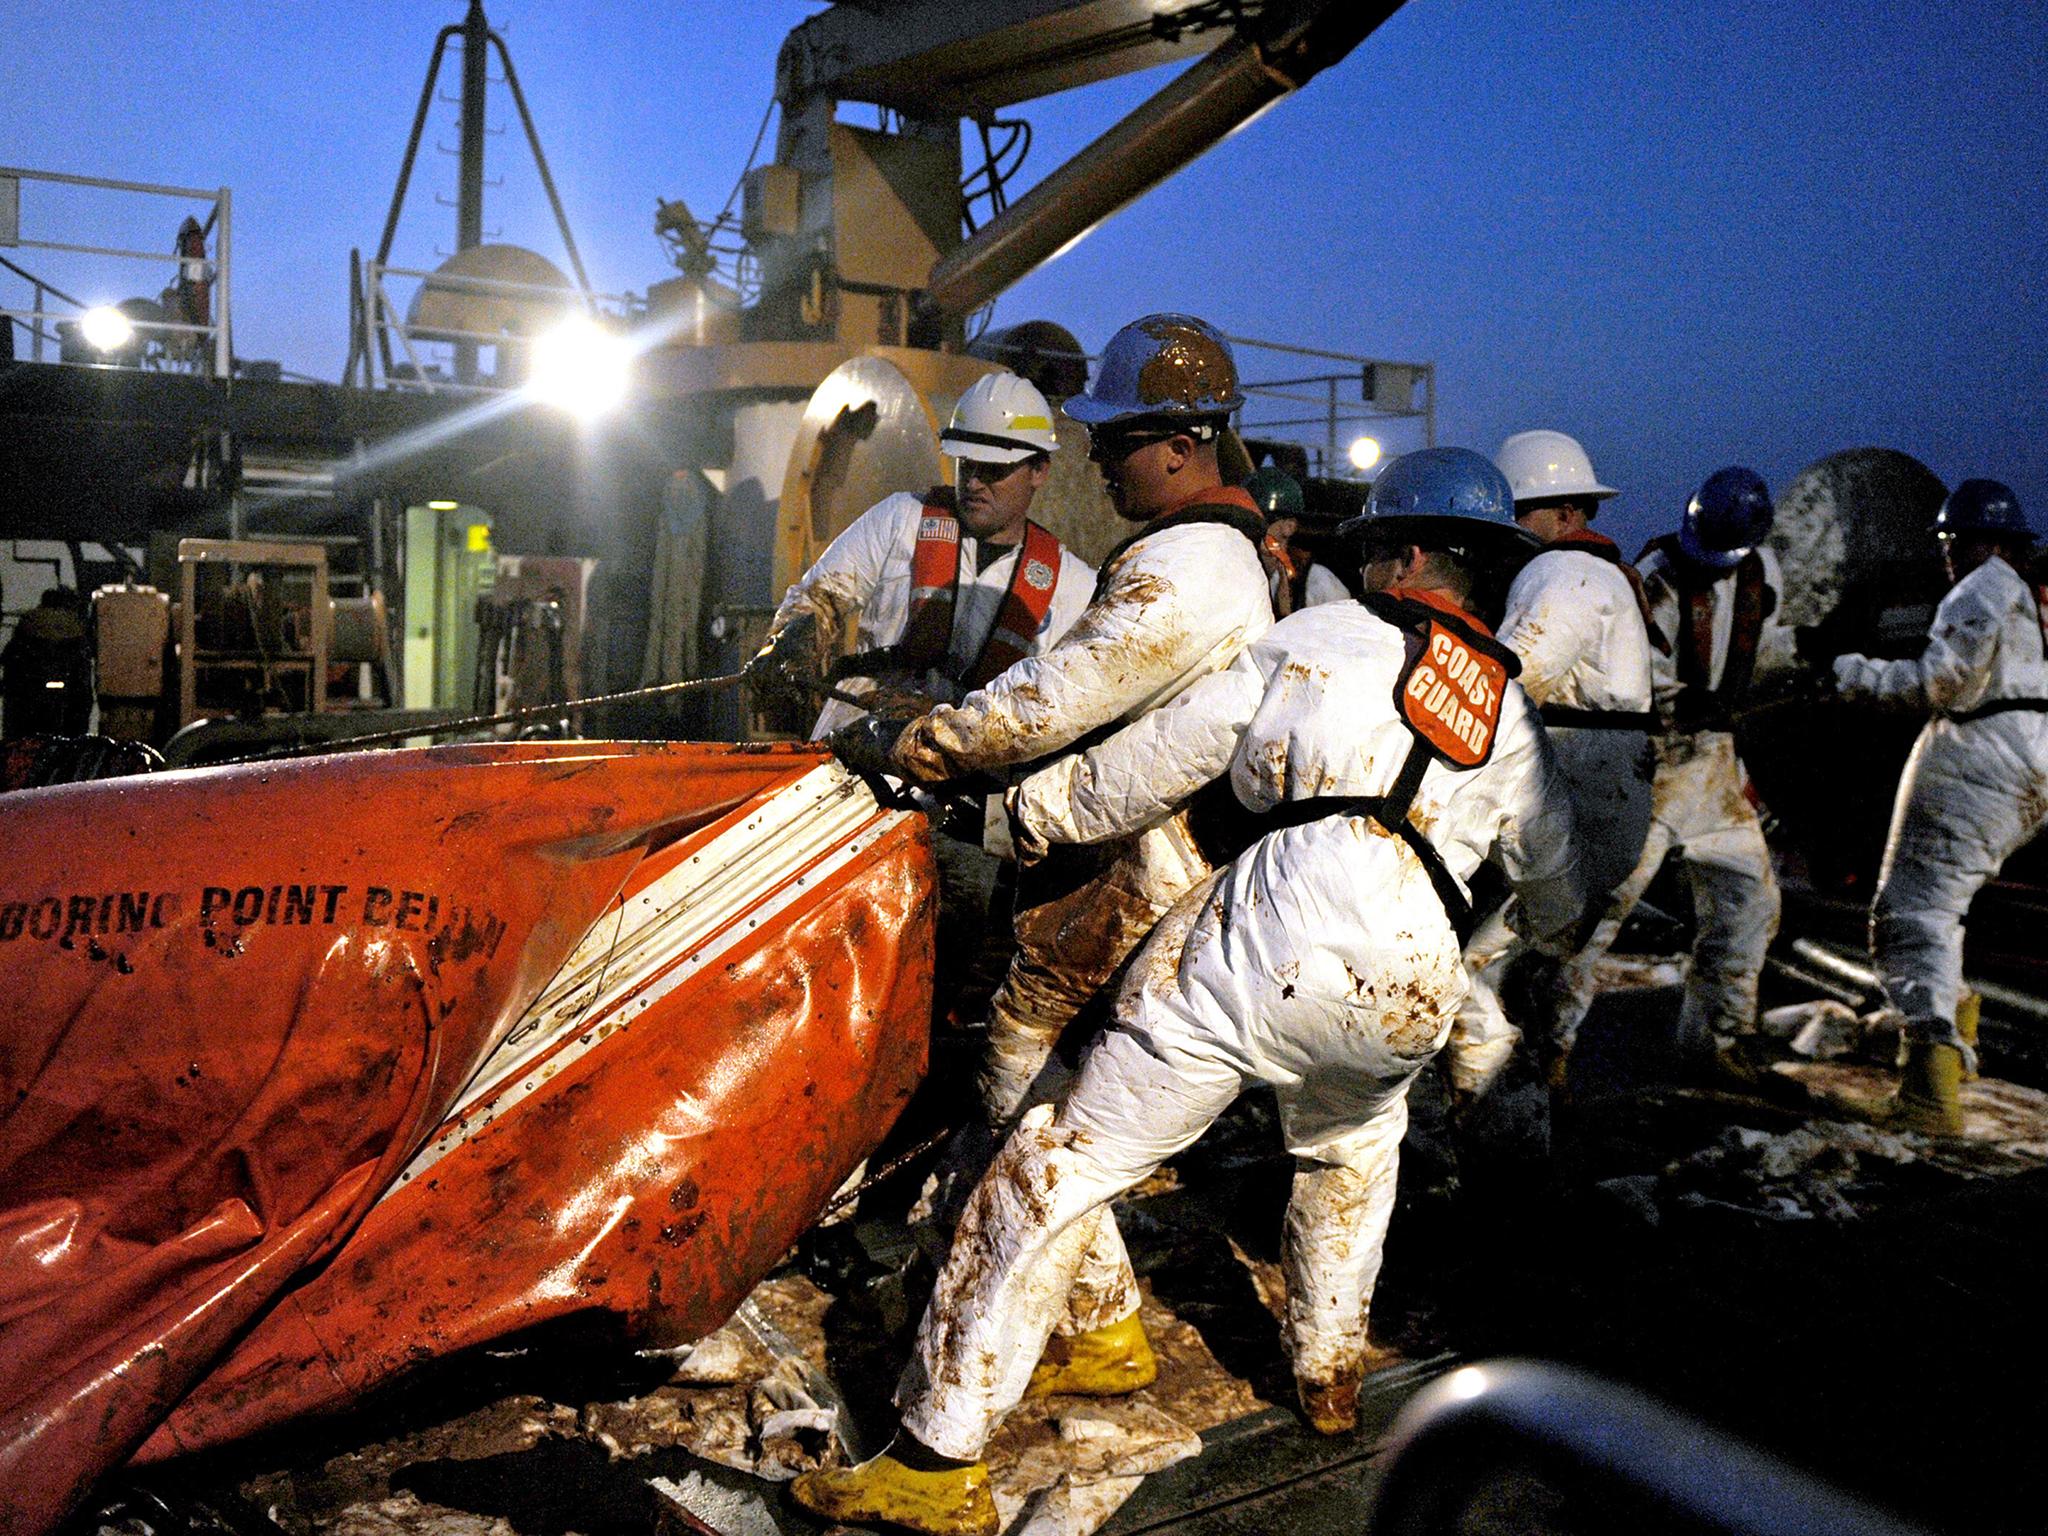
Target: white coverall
1176, 605
862, 580
1574, 621
1321, 961
1700, 807
1323, 586
1975, 790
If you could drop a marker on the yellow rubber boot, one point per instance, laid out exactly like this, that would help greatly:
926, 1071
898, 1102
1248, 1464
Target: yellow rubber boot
882, 1490
1930, 1082
1967, 1013
1100, 1363
1331, 1406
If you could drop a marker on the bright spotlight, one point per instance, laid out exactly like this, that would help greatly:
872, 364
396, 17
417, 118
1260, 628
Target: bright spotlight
580, 367
106, 329
1466, 1384
1365, 452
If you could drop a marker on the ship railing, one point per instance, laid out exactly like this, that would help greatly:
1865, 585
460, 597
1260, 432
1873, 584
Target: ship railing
211, 347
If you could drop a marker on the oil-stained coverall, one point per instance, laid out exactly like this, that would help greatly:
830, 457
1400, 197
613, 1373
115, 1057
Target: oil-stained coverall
1975, 789
1175, 604
1321, 961
1700, 804
1574, 619
863, 581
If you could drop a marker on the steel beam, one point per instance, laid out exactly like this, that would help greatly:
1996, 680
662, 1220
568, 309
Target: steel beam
938, 57
1196, 110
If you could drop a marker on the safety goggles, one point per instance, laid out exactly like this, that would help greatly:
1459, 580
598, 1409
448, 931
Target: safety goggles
986, 472
1107, 445
1107, 448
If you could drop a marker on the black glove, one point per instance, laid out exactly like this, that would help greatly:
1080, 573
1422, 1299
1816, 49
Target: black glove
789, 660
866, 744
1529, 991
1816, 646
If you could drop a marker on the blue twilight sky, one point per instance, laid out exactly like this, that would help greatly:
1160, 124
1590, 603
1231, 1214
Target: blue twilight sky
1752, 232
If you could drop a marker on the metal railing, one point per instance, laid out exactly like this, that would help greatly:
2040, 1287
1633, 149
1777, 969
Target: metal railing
1342, 403
386, 349
216, 357
1369, 391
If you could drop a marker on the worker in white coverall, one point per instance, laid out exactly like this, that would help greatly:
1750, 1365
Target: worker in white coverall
1294, 576
1577, 618
937, 593
1976, 787
1712, 590
1174, 603
1389, 750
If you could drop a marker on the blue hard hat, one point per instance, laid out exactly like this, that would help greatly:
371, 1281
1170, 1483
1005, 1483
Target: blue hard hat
1443, 497
1727, 516
1982, 506
1161, 366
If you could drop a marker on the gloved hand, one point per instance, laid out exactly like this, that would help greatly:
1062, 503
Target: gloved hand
1529, 989
790, 658
1028, 846
1816, 646
867, 745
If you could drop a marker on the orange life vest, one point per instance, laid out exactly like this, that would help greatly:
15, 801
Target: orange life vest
934, 598
1449, 691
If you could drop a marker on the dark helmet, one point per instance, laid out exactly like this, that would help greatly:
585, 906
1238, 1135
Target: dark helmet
1443, 498
1727, 516
1277, 493
1163, 366
1982, 506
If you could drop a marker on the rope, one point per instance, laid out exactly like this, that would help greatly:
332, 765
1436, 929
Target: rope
890, 1169
509, 717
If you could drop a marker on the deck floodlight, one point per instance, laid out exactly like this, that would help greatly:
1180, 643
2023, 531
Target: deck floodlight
580, 367
106, 329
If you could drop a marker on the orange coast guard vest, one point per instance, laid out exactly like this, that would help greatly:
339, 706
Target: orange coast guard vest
1448, 693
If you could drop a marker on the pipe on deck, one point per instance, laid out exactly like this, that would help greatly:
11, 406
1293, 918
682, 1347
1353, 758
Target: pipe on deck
1833, 963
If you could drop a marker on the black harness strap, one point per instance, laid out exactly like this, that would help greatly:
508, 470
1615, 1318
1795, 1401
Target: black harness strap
2000, 707
1598, 719
1238, 828
1394, 818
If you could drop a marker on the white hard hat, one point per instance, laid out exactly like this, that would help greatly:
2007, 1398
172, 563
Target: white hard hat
1000, 420
1544, 465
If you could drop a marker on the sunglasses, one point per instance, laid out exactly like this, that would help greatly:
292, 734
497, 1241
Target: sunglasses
1115, 447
